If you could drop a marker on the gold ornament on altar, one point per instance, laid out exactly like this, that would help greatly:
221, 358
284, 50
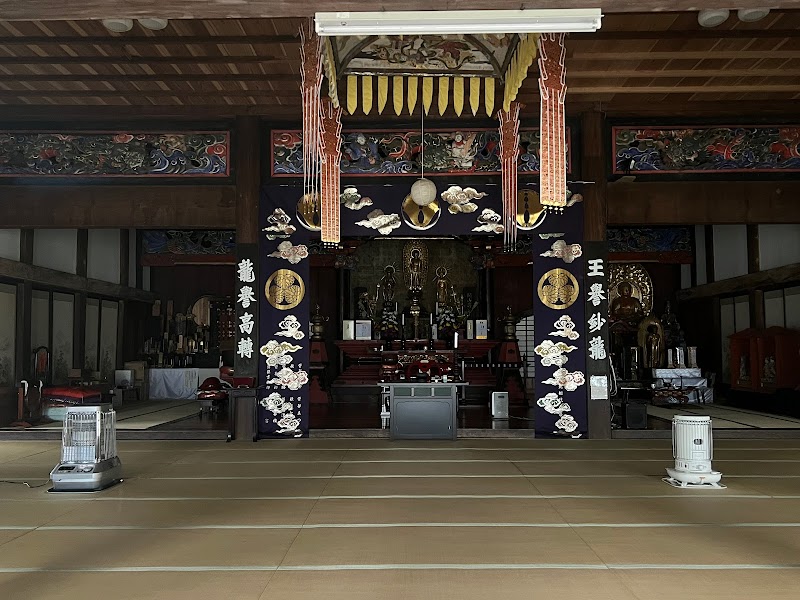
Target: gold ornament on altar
630, 292
558, 289
285, 289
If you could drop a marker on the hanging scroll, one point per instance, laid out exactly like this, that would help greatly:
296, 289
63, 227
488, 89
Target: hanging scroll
553, 179
509, 148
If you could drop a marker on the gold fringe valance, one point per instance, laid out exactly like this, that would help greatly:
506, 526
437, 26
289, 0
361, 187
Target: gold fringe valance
407, 91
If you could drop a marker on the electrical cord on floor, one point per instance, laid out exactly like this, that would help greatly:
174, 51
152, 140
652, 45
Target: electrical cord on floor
25, 483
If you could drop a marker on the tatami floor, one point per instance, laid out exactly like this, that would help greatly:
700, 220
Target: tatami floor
372, 519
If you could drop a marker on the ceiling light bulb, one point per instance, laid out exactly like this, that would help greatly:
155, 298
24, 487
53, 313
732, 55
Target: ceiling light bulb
713, 17
118, 25
751, 15
153, 23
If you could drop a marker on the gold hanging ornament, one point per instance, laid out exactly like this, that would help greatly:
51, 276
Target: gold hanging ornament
553, 153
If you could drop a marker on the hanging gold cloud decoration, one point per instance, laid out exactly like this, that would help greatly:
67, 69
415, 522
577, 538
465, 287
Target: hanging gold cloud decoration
485, 72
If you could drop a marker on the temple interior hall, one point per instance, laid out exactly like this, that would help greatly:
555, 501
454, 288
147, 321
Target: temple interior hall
310, 300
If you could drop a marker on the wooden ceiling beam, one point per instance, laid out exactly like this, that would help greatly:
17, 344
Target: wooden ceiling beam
44, 10
664, 73
682, 34
153, 78
635, 57
149, 40
133, 59
287, 95
680, 89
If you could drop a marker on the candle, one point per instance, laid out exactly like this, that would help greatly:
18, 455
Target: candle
404, 320
431, 316
377, 291
455, 341
437, 308
395, 307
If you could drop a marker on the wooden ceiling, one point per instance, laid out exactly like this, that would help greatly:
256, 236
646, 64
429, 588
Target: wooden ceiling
639, 63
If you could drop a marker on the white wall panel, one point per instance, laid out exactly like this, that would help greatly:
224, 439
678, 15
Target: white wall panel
779, 245
730, 251
742, 309
9, 243
686, 276
792, 306
773, 309
102, 261
56, 249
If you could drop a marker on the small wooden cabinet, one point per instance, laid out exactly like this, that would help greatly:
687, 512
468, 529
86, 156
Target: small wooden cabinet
765, 360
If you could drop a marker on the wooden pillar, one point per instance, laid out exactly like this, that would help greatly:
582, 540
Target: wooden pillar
82, 260
124, 257
79, 331
710, 276
26, 246
248, 178
594, 168
22, 364
757, 316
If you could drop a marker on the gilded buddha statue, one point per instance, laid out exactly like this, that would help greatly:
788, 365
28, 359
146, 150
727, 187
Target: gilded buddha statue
626, 307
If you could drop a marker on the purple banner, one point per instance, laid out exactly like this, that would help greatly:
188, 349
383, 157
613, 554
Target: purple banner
284, 323
560, 332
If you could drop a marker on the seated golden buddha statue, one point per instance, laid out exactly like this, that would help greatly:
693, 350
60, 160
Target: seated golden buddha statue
626, 307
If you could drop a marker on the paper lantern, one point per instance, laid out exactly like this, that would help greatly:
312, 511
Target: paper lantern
423, 192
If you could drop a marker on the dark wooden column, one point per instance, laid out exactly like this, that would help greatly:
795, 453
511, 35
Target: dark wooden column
595, 220
82, 260
709, 241
757, 314
594, 168
248, 178
124, 257
22, 364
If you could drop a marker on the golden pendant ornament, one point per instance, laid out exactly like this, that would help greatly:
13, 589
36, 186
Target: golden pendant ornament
420, 217
285, 289
530, 212
558, 289
308, 212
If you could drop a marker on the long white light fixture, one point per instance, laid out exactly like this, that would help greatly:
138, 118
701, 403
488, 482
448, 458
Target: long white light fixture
459, 21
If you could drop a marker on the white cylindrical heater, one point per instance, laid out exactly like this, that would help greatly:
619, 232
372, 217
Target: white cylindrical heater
693, 450
89, 460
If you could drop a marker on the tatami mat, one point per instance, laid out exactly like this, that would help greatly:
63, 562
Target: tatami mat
379, 519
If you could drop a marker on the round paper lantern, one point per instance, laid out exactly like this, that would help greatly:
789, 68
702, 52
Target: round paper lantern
423, 192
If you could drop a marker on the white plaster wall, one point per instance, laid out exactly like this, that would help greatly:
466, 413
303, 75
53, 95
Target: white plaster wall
56, 249
9, 243
700, 253
773, 308
779, 245
741, 306
792, 300
730, 251
686, 276
102, 261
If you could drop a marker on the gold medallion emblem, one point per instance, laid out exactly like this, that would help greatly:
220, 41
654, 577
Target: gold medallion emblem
558, 289
285, 289
420, 217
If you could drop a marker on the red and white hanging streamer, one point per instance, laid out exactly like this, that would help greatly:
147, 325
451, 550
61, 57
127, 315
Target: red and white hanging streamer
553, 90
331, 158
311, 78
509, 149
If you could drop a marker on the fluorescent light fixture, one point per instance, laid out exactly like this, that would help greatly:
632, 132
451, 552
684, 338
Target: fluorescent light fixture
443, 22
